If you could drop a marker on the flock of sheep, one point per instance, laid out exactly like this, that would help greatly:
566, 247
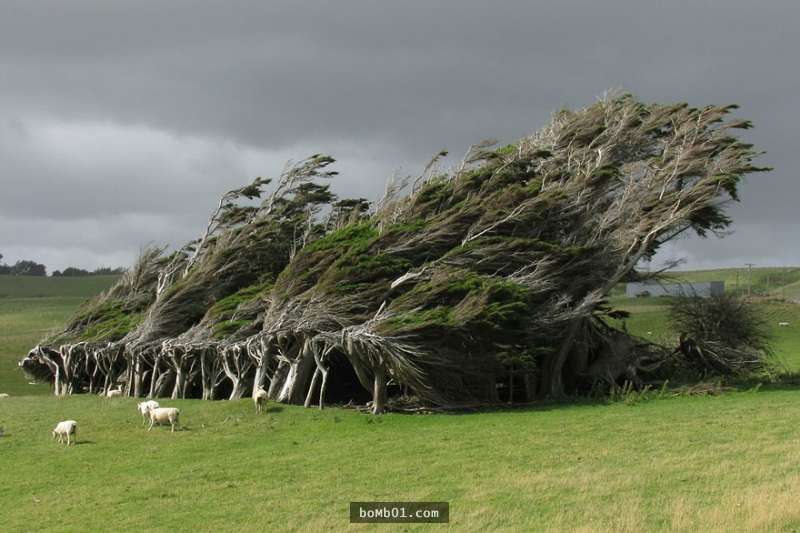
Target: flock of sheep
66, 430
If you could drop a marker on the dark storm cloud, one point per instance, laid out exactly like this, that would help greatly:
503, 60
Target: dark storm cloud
141, 113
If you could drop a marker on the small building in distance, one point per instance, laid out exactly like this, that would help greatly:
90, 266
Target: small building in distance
703, 289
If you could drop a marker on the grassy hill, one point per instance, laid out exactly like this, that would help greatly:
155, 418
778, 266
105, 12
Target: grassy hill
26, 287
30, 307
724, 463
764, 281
778, 287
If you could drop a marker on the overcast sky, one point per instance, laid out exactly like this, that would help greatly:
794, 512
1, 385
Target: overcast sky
121, 123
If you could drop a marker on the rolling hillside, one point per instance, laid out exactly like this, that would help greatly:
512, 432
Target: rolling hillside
30, 307
591, 466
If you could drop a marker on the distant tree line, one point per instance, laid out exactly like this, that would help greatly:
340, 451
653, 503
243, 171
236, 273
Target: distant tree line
23, 267
26, 267
77, 272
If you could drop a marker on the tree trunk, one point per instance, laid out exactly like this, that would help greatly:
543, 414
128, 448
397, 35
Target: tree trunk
322, 388
238, 389
154, 377
137, 377
208, 375
261, 372
552, 379
163, 383
511, 386
278, 379
379, 391
311, 388
296, 379
176, 390
530, 389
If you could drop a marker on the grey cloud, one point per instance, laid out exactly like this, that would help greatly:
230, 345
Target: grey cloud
161, 106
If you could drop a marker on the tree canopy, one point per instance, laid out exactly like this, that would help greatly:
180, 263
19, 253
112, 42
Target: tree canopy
483, 283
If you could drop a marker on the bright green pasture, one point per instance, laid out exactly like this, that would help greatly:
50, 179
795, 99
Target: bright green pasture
30, 308
727, 463
650, 319
47, 287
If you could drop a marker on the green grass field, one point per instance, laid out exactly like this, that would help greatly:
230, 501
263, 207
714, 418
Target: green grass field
30, 307
727, 463
683, 463
650, 319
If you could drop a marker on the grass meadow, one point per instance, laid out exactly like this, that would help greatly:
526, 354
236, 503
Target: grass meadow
681, 463
30, 307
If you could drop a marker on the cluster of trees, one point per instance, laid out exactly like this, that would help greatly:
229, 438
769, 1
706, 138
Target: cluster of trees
481, 284
78, 272
23, 267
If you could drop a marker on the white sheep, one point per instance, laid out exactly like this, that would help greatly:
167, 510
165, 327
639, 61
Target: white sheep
116, 393
260, 399
65, 429
4, 395
144, 409
783, 324
162, 415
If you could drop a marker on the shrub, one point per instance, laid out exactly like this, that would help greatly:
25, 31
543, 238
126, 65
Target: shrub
721, 335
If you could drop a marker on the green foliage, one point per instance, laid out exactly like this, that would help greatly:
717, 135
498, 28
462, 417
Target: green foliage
111, 325
226, 328
362, 268
411, 226
723, 335
439, 316
482, 305
355, 236
506, 150
226, 306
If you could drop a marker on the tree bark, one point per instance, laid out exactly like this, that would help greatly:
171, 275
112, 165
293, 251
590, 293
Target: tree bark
137, 376
163, 383
296, 379
311, 388
278, 379
238, 389
379, 391
552, 379
323, 388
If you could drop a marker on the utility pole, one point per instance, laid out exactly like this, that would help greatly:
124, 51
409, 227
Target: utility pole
749, 278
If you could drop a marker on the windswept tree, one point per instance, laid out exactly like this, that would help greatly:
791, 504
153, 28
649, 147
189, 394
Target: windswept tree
482, 284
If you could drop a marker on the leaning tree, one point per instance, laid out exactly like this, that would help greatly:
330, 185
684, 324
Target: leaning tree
481, 284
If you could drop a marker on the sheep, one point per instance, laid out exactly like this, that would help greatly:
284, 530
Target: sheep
260, 399
161, 415
4, 395
144, 409
783, 324
65, 429
116, 393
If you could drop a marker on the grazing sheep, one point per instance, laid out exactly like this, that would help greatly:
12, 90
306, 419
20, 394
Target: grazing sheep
162, 415
144, 409
116, 393
783, 324
3, 395
260, 399
65, 429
